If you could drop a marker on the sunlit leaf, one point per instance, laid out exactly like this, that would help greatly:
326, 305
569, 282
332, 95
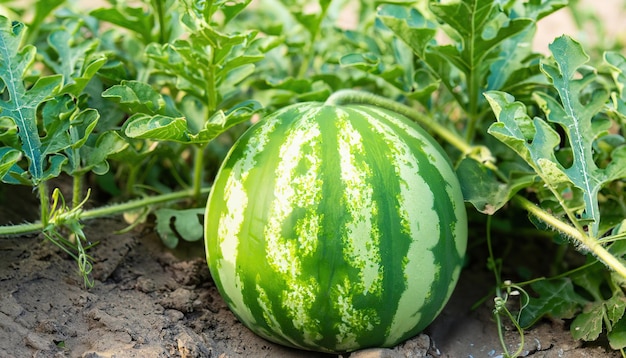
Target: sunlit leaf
22, 103
172, 224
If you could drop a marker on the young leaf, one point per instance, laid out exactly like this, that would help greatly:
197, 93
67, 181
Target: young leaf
160, 127
157, 127
74, 56
22, 103
617, 67
136, 97
95, 158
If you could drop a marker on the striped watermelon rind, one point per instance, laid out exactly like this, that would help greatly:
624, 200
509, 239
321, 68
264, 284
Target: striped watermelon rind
335, 228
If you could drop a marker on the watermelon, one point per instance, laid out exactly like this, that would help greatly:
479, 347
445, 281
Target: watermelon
335, 227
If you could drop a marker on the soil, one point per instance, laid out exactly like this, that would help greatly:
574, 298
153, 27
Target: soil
149, 301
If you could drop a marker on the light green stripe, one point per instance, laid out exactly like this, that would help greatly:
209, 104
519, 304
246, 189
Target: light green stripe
361, 237
353, 321
296, 189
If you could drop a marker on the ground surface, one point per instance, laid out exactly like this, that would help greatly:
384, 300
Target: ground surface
149, 301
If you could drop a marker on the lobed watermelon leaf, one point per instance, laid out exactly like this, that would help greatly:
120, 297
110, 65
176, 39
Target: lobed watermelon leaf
73, 57
22, 103
538, 143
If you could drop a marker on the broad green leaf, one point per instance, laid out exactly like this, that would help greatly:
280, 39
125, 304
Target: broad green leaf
131, 18
617, 336
574, 113
232, 9
557, 298
480, 26
172, 224
486, 38
410, 26
516, 65
481, 187
221, 121
588, 324
157, 127
22, 103
136, 97
371, 63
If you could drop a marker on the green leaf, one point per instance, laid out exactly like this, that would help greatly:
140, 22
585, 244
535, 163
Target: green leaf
580, 101
538, 143
409, 25
557, 298
617, 336
588, 324
131, 18
617, 66
136, 97
8, 158
157, 127
172, 224
8, 132
22, 103
231, 10
221, 121
95, 158
75, 56
482, 188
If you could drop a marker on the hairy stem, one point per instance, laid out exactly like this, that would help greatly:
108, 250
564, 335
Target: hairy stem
580, 237
112, 210
198, 171
44, 203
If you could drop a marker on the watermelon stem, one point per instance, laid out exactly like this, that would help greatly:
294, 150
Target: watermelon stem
105, 211
580, 237
348, 96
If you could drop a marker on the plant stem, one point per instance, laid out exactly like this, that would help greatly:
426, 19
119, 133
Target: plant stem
581, 238
77, 184
198, 170
44, 202
347, 96
115, 209
310, 47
